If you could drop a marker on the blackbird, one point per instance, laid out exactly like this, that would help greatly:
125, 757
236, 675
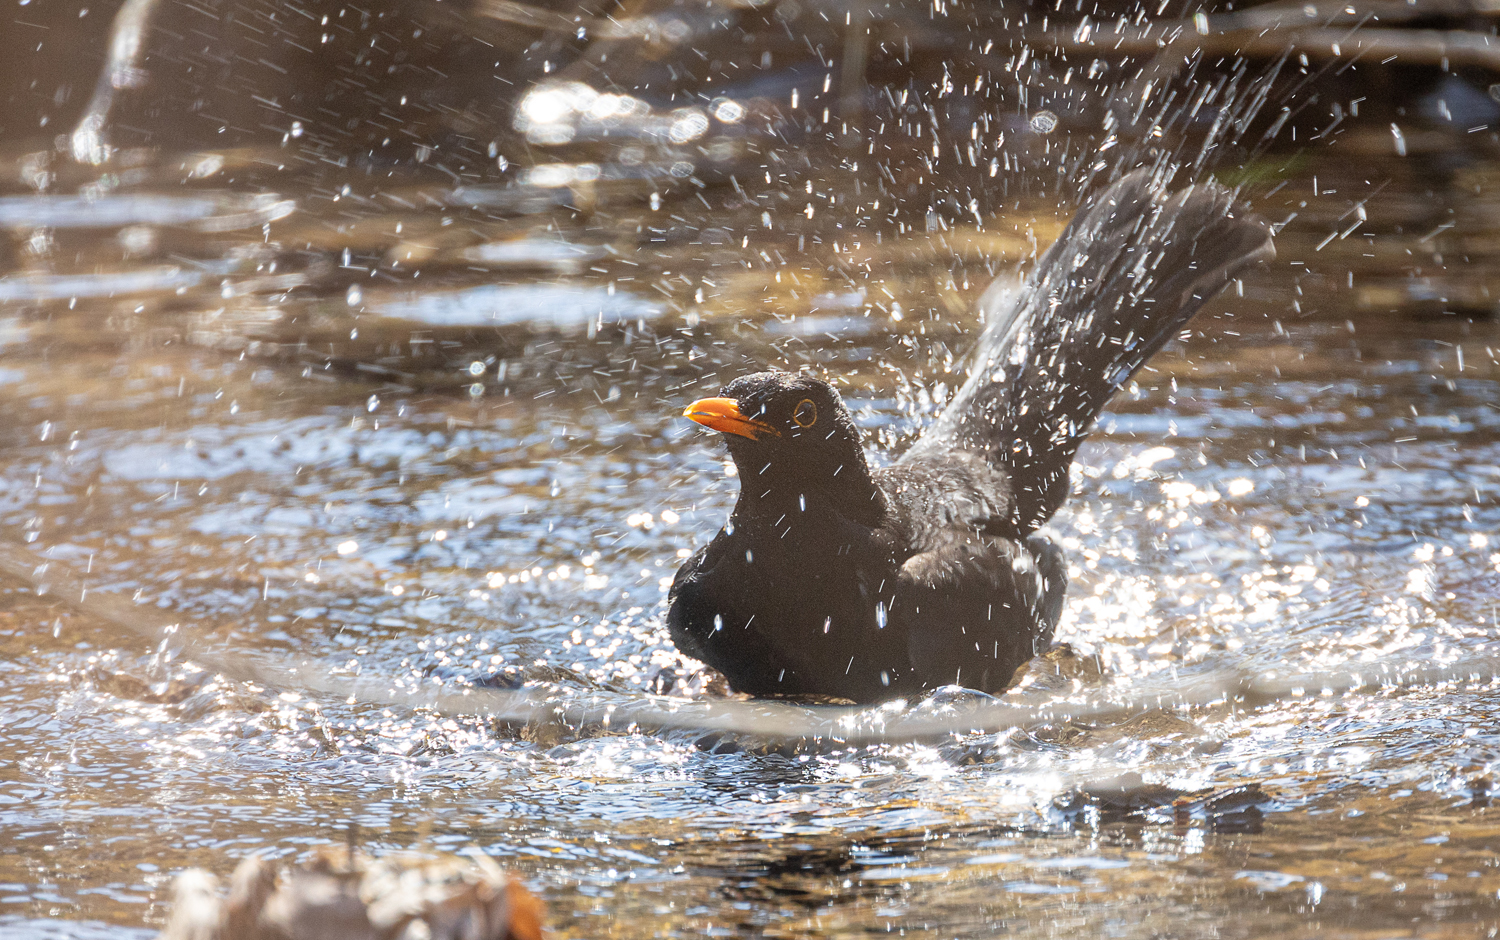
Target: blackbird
832, 580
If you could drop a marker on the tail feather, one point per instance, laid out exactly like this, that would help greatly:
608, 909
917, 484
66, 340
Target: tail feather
1128, 272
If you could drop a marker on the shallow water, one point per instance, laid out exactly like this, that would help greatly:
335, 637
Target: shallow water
313, 426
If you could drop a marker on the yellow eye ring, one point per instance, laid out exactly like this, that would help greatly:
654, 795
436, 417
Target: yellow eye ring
805, 415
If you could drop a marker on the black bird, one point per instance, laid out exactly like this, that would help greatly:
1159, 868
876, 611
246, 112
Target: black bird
830, 580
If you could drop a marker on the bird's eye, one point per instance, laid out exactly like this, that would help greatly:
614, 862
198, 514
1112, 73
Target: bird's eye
805, 414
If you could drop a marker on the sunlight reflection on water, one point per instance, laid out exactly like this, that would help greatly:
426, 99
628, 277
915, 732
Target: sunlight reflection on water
1226, 521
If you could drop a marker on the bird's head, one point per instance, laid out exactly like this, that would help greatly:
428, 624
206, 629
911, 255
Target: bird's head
786, 428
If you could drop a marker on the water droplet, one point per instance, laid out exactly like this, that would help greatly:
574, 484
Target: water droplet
727, 110
353, 296
1044, 122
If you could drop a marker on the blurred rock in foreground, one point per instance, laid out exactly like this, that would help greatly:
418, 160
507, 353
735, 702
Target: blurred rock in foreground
333, 897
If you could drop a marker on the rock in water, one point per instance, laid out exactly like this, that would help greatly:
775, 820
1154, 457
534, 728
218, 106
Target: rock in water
336, 897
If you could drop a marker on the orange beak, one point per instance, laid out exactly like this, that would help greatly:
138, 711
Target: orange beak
723, 414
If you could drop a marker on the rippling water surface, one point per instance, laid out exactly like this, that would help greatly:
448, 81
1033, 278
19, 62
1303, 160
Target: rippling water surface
252, 416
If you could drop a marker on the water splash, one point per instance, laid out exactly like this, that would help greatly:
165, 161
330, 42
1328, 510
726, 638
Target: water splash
90, 139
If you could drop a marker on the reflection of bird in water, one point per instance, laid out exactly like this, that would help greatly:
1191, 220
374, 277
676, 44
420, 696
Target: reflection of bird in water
833, 580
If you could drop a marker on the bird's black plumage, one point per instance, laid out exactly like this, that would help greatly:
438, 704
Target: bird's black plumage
833, 580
